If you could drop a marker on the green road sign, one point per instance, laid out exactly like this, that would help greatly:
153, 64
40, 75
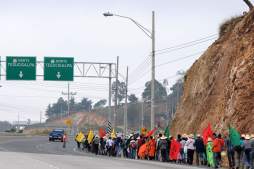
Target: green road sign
58, 68
20, 68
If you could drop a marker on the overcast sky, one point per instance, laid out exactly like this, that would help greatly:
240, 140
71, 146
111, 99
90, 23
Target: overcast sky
77, 28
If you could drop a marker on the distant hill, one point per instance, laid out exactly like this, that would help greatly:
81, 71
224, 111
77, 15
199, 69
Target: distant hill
80, 119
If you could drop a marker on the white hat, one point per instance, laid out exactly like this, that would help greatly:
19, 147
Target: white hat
247, 137
132, 141
252, 136
209, 139
163, 137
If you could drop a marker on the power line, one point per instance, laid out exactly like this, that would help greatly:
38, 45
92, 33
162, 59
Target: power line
183, 47
181, 58
168, 50
171, 61
187, 43
140, 68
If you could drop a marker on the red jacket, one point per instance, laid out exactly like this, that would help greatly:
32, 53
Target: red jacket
218, 144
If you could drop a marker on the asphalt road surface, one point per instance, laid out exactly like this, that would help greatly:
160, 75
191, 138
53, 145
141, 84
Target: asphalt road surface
38, 153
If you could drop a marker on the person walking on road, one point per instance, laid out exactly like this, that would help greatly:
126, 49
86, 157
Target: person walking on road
96, 142
64, 140
218, 145
247, 151
190, 149
163, 148
78, 143
152, 148
200, 151
109, 145
133, 149
230, 152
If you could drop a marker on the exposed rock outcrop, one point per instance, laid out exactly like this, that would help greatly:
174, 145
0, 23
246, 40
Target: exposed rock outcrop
219, 87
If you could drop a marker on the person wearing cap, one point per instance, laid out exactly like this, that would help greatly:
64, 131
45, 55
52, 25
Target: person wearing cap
163, 148
190, 149
247, 151
200, 151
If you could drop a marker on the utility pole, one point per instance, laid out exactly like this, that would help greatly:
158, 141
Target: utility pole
142, 113
116, 91
151, 35
40, 116
18, 122
126, 105
109, 94
153, 73
68, 97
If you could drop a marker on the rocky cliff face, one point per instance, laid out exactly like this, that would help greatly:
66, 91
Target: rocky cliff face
219, 87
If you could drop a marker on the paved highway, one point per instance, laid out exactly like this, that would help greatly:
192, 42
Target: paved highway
38, 153
38, 144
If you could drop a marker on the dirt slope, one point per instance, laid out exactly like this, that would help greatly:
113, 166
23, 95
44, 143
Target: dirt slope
219, 87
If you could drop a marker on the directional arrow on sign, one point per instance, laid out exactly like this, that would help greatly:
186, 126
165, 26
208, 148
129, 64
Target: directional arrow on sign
21, 74
58, 75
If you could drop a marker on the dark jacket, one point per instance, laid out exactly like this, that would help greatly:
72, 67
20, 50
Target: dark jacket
199, 144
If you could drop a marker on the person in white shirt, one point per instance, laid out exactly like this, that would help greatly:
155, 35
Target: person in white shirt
190, 149
109, 145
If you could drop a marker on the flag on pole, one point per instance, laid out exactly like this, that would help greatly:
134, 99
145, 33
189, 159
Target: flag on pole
151, 132
167, 132
207, 132
80, 137
102, 132
90, 136
234, 136
113, 134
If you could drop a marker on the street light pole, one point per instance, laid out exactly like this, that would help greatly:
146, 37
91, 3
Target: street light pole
151, 35
153, 73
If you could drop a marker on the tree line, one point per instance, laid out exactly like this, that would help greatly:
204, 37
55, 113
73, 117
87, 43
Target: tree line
60, 108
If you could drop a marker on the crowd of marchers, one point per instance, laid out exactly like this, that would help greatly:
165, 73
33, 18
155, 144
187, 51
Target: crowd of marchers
207, 149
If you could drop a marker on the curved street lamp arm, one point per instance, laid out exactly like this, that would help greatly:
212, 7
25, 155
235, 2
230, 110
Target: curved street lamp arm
144, 29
